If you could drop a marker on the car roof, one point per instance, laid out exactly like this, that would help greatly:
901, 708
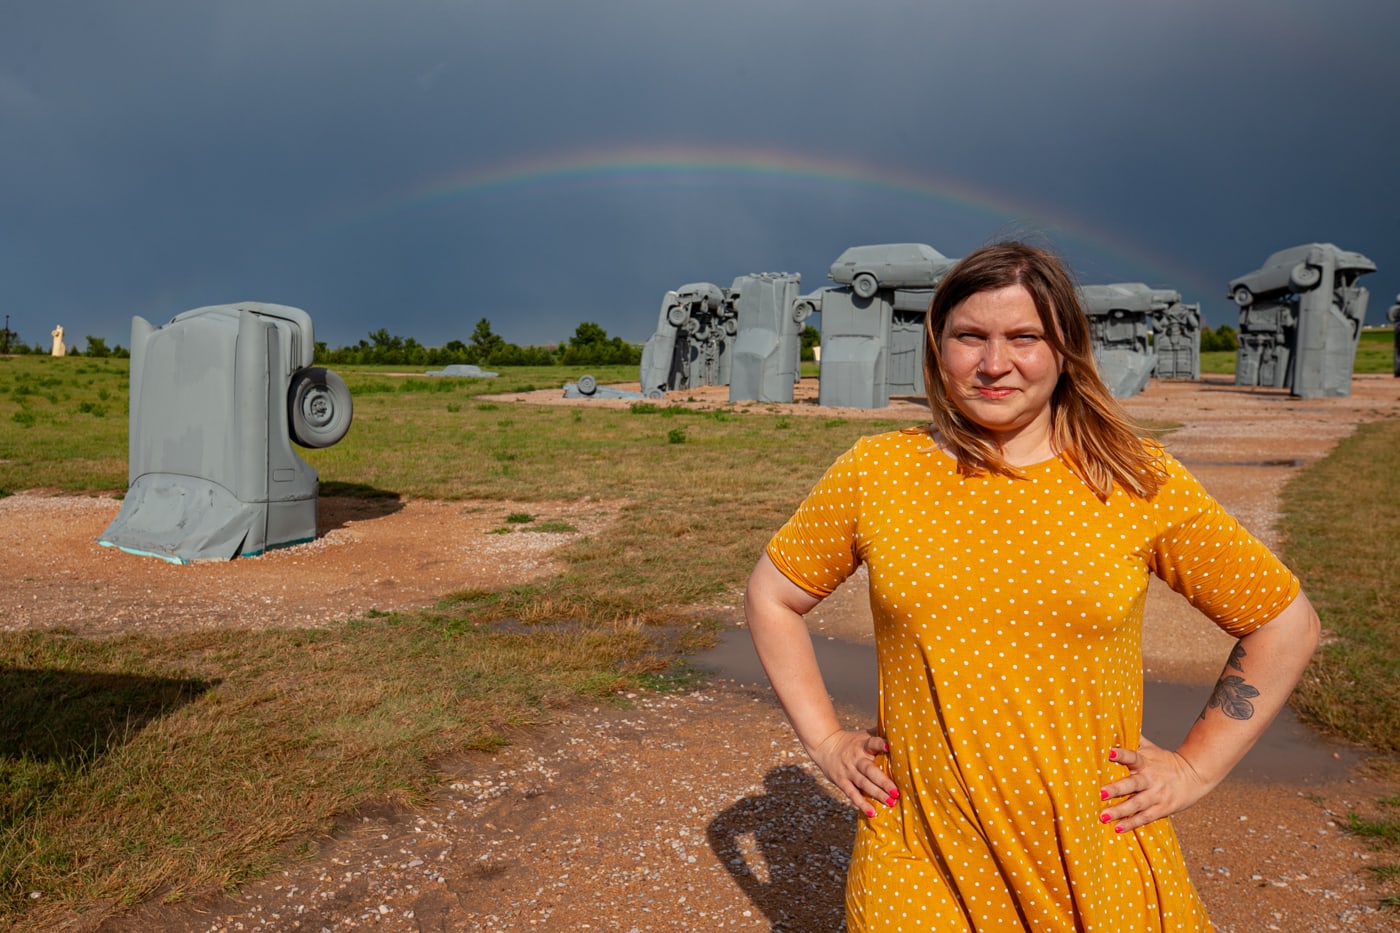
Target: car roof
891, 250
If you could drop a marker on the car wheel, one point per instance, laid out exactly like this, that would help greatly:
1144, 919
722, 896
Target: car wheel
587, 385
676, 315
1304, 276
1243, 296
864, 285
319, 408
801, 311
656, 393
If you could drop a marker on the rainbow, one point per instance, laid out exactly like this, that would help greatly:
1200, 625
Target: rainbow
682, 165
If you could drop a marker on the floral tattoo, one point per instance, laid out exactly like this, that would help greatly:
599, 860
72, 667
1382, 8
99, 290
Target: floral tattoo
1231, 693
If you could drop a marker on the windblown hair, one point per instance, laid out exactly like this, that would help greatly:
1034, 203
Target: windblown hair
1088, 427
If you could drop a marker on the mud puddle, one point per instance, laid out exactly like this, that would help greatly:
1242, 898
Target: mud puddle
1288, 752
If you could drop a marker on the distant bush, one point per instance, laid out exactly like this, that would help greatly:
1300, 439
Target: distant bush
1223, 338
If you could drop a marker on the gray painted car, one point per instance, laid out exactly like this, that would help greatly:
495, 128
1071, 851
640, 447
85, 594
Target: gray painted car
1296, 269
867, 269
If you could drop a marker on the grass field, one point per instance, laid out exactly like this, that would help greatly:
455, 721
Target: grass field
178, 762
1375, 353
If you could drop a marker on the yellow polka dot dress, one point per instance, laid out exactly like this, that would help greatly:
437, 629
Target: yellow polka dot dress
1008, 623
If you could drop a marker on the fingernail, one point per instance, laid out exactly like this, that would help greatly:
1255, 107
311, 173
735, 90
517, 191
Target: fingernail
1112, 754
1104, 818
895, 793
887, 746
1103, 795
889, 801
870, 813
1117, 829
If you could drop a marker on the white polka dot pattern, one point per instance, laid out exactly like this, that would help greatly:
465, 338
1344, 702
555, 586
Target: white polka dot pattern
1008, 624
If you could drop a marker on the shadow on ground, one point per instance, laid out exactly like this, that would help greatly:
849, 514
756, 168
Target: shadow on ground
339, 504
788, 850
55, 722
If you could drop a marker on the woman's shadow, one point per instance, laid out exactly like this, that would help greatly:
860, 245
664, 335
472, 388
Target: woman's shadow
788, 849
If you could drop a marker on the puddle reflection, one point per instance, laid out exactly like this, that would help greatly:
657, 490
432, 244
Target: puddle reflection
1288, 751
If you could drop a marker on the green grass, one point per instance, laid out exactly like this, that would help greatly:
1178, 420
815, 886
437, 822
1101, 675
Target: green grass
1341, 523
65, 420
182, 762
1382, 831
1330, 511
1375, 353
1217, 362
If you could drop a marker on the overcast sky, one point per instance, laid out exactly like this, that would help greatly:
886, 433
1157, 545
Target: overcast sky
417, 165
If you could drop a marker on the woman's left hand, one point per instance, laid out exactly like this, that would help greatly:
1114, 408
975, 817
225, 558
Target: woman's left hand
1159, 783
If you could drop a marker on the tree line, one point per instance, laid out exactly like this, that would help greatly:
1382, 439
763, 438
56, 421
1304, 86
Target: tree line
11, 345
589, 346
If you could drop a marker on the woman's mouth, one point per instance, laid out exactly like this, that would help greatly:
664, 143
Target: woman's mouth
994, 391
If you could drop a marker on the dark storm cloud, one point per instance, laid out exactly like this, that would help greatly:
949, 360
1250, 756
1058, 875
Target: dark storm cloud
157, 156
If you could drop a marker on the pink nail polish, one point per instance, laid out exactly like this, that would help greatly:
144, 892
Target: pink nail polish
889, 801
870, 813
1103, 795
1104, 818
1112, 754
895, 793
1117, 829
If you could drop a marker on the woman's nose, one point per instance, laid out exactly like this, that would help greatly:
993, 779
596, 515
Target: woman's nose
995, 360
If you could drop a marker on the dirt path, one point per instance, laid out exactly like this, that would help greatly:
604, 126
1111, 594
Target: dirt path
700, 812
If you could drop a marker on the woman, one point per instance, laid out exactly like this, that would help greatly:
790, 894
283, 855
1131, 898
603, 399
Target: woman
1007, 784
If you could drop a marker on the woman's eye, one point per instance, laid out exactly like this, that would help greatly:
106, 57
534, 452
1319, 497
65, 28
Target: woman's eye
1025, 340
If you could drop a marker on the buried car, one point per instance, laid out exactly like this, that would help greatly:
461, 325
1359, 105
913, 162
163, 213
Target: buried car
1296, 269
868, 269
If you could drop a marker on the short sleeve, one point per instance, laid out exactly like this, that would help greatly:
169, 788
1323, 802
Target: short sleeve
1204, 554
817, 548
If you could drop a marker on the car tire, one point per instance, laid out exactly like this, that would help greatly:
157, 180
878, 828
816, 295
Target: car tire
864, 284
1243, 296
676, 315
319, 408
801, 310
1304, 276
587, 385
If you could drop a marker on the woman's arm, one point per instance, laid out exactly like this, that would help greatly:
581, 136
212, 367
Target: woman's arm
775, 606
1260, 674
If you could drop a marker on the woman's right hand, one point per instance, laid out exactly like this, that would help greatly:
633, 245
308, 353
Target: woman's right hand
774, 607
849, 759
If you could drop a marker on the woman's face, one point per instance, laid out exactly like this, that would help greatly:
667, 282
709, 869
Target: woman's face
1001, 370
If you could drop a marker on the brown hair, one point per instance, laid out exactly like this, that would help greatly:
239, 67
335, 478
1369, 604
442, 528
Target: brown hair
1087, 425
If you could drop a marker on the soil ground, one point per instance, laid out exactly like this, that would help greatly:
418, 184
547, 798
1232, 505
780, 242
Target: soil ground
678, 812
